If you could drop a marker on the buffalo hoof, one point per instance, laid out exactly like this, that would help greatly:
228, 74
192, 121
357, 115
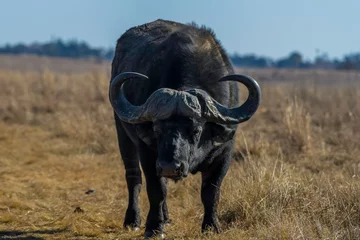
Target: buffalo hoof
152, 235
211, 227
167, 222
132, 228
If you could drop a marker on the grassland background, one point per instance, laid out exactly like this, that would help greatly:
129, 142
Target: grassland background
295, 173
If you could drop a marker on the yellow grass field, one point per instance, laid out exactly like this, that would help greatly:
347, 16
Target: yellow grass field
295, 174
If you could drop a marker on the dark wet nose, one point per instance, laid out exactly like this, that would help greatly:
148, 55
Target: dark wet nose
170, 169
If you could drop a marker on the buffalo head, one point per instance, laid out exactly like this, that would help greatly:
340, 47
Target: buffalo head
179, 119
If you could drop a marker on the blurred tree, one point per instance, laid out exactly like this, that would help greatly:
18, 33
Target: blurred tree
73, 48
294, 60
351, 61
251, 61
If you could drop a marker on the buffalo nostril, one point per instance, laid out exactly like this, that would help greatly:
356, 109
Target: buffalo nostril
179, 168
170, 168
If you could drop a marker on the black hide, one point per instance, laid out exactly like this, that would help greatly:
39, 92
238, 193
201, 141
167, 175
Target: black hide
180, 57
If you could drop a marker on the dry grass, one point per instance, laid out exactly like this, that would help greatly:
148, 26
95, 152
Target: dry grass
25, 63
299, 177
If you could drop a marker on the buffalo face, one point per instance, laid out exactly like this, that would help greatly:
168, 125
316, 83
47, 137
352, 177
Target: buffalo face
177, 139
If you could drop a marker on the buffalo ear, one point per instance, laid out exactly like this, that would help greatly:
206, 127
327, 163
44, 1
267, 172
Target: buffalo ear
222, 133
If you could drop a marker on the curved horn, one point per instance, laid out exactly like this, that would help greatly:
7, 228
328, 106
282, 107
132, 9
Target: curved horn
212, 111
122, 107
161, 104
216, 112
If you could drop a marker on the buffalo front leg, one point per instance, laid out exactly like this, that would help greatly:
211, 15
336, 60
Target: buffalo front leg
156, 190
133, 177
132, 216
167, 220
210, 191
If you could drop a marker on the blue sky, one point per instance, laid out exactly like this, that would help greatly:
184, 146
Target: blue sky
271, 28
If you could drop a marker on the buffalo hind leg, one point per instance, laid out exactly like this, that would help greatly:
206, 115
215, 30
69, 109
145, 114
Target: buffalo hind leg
133, 177
156, 188
210, 190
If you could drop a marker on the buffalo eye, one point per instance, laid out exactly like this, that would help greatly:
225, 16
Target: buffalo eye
197, 132
157, 130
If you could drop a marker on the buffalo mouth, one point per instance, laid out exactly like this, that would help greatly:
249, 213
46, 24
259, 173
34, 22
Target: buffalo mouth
176, 178
172, 170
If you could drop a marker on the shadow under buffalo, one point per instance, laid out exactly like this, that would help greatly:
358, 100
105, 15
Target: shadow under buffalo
26, 235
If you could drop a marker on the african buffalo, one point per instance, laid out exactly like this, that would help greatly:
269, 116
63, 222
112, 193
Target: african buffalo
175, 95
